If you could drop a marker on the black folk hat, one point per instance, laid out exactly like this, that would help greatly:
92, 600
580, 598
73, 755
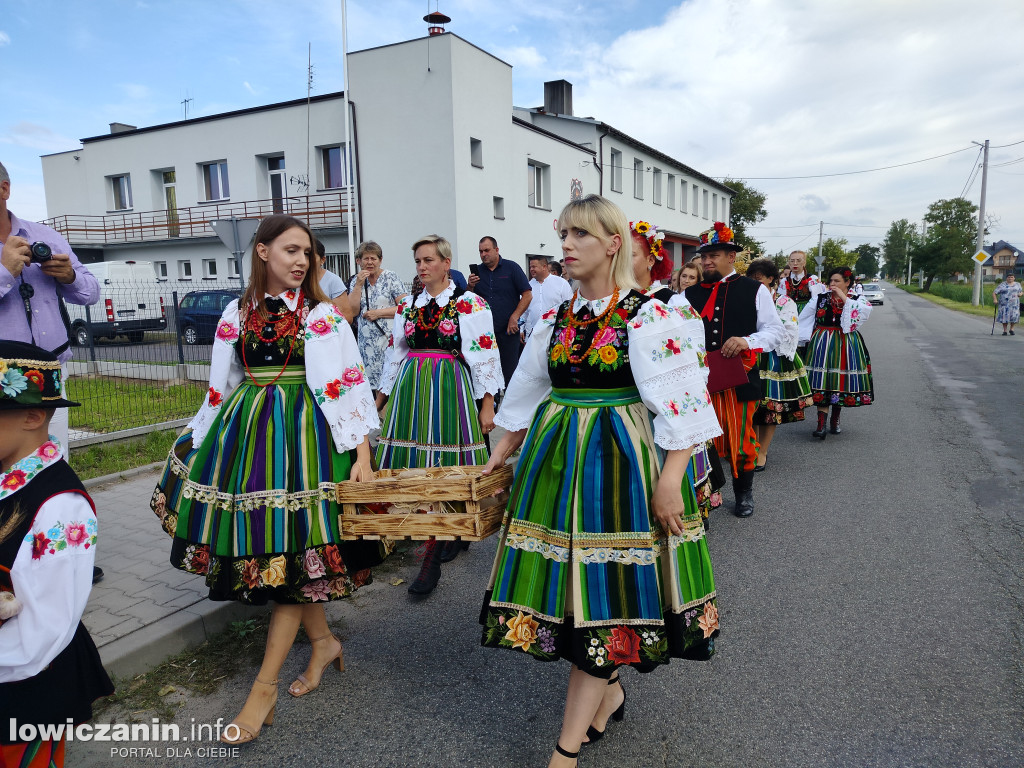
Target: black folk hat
30, 377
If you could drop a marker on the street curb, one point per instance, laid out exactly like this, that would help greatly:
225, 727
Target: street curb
142, 650
126, 474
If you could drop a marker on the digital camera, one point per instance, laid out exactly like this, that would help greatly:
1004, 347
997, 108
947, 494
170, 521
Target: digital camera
41, 252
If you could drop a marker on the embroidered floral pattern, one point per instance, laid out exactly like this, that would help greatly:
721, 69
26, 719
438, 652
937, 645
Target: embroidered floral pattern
14, 480
48, 451
13, 382
216, 398
485, 341
227, 332
62, 536
447, 327
325, 326
36, 378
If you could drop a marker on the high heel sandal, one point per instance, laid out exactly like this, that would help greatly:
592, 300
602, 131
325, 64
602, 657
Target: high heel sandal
247, 733
566, 753
618, 715
338, 661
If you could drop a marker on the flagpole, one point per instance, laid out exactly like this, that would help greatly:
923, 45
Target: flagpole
349, 148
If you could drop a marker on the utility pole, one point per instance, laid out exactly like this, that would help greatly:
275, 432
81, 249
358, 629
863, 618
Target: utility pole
821, 256
909, 258
924, 236
976, 293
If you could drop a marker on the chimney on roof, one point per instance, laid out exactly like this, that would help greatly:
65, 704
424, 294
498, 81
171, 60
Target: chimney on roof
121, 127
558, 97
435, 23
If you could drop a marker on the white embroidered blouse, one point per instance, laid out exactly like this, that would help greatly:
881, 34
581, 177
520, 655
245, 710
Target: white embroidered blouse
855, 312
334, 373
790, 324
666, 364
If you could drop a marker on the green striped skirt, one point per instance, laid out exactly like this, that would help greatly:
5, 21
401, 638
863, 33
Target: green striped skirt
839, 371
583, 570
785, 389
252, 507
431, 419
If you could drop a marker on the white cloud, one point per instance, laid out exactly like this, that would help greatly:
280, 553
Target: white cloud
5, 39
134, 91
37, 137
522, 57
249, 88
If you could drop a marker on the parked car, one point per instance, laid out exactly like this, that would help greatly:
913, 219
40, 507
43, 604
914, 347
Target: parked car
129, 305
199, 312
874, 293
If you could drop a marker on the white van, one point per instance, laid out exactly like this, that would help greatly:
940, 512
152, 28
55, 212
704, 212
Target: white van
129, 305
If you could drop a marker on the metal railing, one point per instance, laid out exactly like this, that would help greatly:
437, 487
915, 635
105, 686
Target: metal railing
326, 209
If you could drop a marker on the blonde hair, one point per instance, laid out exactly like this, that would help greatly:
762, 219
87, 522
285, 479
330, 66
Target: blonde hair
603, 219
444, 248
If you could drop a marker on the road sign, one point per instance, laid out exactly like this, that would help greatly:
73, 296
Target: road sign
819, 260
981, 257
236, 234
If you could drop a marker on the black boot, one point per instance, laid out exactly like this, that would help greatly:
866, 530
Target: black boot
450, 550
834, 421
743, 489
821, 432
430, 571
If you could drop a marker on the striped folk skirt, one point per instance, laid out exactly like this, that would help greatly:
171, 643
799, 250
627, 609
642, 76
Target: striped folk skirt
252, 507
583, 570
431, 419
786, 389
840, 369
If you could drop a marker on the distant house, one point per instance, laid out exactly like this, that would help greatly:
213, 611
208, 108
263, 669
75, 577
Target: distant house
999, 252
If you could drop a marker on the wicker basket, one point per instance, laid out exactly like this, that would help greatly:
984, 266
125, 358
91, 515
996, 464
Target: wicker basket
444, 503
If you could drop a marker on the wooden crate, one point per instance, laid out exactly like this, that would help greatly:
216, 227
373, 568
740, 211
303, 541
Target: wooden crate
447, 503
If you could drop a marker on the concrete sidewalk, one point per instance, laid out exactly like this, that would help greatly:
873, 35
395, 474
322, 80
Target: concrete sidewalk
144, 610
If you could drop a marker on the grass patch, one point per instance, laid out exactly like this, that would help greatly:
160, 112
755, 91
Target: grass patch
117, 456
198, 670
943, 301
109, 404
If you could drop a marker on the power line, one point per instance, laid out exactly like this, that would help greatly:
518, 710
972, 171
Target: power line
844, 173
1000, 146
1008, 162
972, 174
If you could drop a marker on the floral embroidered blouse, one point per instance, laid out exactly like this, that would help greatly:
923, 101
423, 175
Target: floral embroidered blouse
459, 323
786, 308
51, 574
645, 344
324, 346
820, 312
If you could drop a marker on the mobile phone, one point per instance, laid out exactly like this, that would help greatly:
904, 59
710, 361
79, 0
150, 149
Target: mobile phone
474, 269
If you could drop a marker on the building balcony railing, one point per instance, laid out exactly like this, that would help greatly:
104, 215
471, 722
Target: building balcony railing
326, 209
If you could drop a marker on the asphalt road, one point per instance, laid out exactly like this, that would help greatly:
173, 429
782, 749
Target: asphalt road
871, 608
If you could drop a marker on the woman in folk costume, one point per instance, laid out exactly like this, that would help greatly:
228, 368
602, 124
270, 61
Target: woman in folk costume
652, 264
50, 670
603, 560
248, 492
839, 368
439, 381
783, 377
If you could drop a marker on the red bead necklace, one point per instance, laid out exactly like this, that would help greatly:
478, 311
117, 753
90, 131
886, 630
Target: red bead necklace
605, 318
286, 323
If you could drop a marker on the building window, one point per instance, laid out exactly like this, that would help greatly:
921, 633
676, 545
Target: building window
184, 270
684, 189
210, 269
725, 209
704, 200
336, 166
476, 153
696, 197
277, 176
499, 207
161, 269
232, 267
638, 179
670, 189
616, 161
121, 192
538, 185
215, 181
714, 206
656, 196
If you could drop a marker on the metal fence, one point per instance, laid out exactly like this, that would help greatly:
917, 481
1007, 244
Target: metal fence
142, 356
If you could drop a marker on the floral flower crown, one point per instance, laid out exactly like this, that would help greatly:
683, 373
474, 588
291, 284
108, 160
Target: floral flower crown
719, 234
650, 233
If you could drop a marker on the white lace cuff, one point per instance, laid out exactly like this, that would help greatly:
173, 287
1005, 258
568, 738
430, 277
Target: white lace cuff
349, 428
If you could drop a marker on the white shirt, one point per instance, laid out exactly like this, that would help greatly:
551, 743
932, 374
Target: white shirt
546, 295
770, 332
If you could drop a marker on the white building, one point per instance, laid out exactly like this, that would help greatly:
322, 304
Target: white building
439, 147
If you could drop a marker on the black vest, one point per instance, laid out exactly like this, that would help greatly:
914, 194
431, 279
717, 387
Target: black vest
75, 678
734, 314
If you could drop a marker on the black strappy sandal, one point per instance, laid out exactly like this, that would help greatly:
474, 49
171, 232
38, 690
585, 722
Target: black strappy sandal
618, 716
566, 753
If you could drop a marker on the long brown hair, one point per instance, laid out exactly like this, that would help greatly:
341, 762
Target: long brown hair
269, 230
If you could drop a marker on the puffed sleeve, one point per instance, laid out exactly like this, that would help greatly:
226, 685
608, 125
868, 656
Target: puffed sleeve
530, 385
398, 347
479, 347
806, 319
335, 375
855, 313
52, 578
694, 329
667, 373
791, 327
226, 372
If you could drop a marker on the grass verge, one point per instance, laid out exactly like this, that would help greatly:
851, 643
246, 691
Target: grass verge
117, 456
110, 404
959, 306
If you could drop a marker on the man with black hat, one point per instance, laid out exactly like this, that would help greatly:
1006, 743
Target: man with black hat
739, 321
50, 670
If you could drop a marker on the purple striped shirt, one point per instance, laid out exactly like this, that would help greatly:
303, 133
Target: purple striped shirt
47, 329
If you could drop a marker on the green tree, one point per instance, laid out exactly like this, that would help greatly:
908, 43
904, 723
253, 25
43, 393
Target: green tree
867, 260
896, 247
836, 255
952, 231
747, 209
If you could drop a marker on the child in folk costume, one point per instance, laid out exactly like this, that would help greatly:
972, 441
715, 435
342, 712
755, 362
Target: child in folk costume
248, 492
603, 560
783, 377
50, 670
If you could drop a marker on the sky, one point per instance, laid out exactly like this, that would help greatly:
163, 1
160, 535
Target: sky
750, 89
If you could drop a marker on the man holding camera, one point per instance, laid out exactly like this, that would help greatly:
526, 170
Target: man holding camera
37, 269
